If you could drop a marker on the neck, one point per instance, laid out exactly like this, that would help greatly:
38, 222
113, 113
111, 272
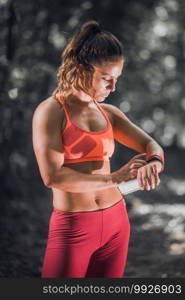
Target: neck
80, 98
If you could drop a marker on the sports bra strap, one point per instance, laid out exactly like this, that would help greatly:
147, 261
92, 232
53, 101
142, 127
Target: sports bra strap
66, 112
61, 101
101, 109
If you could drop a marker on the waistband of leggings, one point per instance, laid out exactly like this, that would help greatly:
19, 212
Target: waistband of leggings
119, 202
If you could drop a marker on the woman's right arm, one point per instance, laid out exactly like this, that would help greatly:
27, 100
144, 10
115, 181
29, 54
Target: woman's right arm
49, 152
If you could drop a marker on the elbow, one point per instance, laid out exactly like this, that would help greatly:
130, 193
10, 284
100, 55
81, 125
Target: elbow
48, 181
51, 181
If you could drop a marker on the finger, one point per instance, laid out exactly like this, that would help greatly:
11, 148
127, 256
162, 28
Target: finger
133, 173
136, 165
146, 183
140, 155
140, 180
141, 161
152, 177
141, 176
148, 178
155, 175
153, 182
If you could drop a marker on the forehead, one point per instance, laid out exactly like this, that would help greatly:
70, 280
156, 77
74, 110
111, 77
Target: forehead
113, 69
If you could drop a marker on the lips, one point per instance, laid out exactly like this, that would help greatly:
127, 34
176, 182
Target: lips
103, 96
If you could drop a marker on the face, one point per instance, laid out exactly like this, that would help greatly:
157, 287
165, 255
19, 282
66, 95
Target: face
104, 79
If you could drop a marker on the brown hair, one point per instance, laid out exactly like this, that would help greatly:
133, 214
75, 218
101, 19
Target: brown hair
90, 45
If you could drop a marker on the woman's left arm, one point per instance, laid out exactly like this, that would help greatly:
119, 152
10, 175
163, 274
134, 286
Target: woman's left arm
130, 135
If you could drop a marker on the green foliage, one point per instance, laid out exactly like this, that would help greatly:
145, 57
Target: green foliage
150, 92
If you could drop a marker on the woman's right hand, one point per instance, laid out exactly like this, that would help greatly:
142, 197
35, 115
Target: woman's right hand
129, 171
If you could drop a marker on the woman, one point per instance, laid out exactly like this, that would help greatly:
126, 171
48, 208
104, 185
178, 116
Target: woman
73, 139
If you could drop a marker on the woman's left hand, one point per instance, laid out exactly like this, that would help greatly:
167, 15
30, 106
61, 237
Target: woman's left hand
148, 176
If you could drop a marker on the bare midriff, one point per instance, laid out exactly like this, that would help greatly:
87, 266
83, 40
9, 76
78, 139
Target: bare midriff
88, 201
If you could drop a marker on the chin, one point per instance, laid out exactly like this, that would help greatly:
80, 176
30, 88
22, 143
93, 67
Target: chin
100, 98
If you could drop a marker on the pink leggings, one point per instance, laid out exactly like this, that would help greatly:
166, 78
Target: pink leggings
87, 244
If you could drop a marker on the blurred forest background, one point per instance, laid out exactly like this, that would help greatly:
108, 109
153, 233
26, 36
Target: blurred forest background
151, 92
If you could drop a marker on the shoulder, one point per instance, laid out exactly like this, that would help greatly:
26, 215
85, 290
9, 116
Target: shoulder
48, 109
48, 105
113, 112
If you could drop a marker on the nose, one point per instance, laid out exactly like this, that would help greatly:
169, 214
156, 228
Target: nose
112, 85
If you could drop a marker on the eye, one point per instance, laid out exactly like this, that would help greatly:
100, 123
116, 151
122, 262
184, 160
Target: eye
105, 79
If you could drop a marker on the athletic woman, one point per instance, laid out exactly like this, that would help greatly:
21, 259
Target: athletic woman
73, 139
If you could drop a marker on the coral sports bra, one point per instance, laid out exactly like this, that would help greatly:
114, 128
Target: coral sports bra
82, 145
